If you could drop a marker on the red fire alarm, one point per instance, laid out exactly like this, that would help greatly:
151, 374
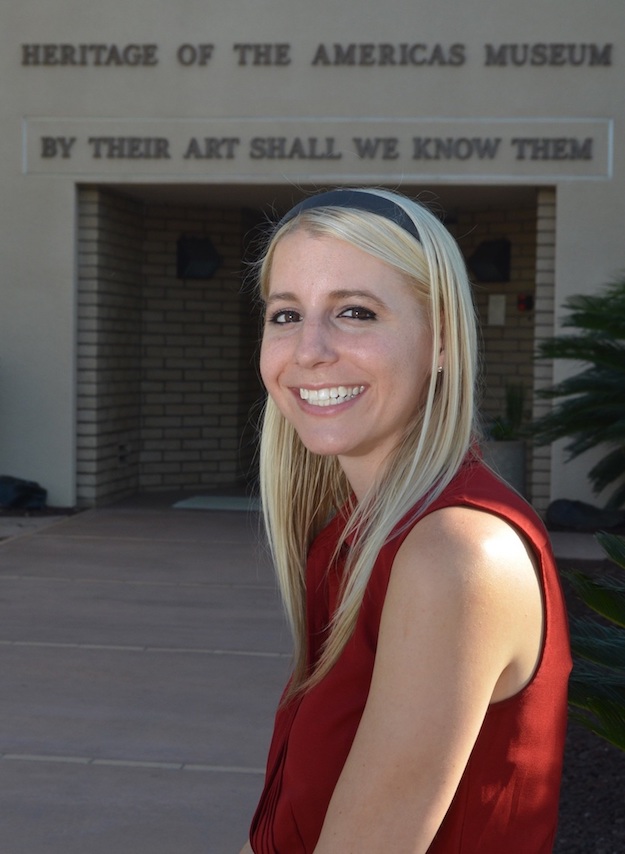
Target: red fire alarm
525, 302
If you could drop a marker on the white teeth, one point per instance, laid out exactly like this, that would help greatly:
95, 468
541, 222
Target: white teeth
330, 396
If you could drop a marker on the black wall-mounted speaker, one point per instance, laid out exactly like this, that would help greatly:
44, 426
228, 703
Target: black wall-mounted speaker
196, 258
491, 261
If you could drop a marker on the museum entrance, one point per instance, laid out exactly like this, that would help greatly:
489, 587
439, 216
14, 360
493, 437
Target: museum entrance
168, 393
167, 339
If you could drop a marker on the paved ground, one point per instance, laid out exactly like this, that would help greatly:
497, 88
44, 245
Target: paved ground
142, 652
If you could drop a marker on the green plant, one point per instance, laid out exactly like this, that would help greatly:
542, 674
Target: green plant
509, 426
597, 685
592, 410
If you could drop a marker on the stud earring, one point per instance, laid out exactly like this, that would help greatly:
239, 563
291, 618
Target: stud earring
440, 369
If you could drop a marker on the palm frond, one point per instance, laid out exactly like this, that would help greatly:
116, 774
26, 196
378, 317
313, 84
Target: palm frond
609, 725
589, 408
608, 470
602, 644
598, 700
591, 683
597, 684
605, 596
614, 546
602, 312
593, 349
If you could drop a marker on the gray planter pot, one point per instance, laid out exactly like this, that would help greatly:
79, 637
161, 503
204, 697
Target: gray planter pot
508, 459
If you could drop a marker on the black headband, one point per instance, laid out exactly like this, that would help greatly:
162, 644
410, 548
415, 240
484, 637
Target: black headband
360, 200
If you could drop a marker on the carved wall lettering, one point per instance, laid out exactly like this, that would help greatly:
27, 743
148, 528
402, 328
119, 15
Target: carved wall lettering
283, 148
335, 55
195, 54
57, 146
452, 148
212, 148
553, 148
263, 54
90, 54
130, 147
384, 147
548, 54
389, 54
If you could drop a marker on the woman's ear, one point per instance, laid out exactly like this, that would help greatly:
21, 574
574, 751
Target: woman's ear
441, 353
441, 344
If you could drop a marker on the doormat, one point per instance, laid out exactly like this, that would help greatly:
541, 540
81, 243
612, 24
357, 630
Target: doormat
218, 502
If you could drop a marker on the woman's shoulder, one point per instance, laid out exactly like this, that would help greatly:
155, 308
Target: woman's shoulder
476, 522
462, 559
477, 487
473, 569
460, 540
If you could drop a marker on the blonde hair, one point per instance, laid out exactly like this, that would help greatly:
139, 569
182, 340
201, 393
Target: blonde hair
300, 490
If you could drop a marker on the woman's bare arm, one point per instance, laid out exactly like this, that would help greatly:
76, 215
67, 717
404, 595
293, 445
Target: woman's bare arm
461, 627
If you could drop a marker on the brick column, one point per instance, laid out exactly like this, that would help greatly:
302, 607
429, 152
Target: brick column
108, 357
544, 328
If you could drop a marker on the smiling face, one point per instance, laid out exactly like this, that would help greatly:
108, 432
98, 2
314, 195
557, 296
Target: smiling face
346, 351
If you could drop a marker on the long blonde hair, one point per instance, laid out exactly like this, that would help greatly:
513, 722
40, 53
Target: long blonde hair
300, 490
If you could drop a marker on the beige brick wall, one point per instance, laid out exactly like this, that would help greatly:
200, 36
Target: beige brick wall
166, 368
507, 350
198, 343
544, 328
108, 359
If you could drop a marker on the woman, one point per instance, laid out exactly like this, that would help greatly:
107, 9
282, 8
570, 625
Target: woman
426, 711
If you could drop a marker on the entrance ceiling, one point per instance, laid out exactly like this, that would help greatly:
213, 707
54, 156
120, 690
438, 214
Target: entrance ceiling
267, 197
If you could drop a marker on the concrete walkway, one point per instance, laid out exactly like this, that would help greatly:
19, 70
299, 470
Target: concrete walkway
142, 654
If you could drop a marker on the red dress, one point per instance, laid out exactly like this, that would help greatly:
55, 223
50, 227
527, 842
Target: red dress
507, 799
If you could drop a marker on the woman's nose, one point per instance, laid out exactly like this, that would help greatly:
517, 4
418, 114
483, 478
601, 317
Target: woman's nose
315, 344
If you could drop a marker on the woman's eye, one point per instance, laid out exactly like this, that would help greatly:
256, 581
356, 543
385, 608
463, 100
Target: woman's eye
358, 312
285, 316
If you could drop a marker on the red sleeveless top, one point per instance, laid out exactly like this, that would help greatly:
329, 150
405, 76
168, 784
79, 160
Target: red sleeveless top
507, 799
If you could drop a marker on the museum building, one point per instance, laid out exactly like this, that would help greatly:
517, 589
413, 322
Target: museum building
146, 145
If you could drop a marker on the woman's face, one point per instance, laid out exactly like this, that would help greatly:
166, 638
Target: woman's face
346, 351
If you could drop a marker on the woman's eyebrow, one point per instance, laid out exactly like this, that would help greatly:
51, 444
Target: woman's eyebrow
341, 294
345, 293
283, 296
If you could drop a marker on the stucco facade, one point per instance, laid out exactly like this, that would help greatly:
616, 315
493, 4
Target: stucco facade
127, 125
